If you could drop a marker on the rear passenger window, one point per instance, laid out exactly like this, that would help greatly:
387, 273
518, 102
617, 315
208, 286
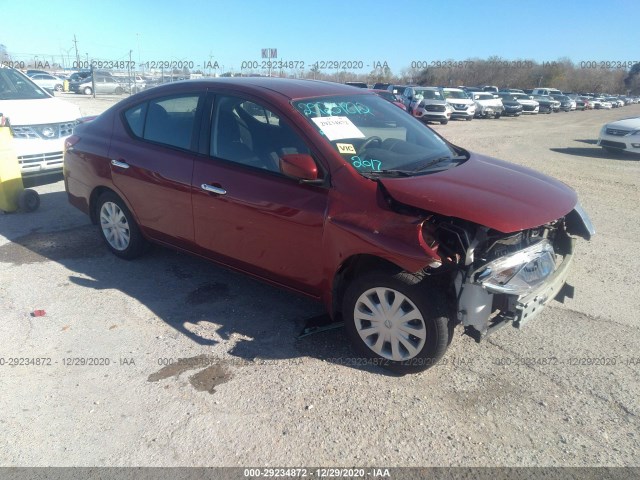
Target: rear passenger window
169, 121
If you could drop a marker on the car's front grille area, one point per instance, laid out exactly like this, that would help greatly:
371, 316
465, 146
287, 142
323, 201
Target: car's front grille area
51, 158
616, 132
49, 131
528, 108
459, 106
435, 108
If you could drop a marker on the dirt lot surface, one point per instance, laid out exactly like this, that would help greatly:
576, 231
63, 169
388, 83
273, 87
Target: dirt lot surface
170, 360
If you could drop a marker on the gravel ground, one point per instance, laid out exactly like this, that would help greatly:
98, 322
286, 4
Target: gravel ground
205, 367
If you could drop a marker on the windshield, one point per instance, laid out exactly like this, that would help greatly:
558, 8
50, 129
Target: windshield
377, 138
454, 94
483, 96
14, 86
520, 96
428, 94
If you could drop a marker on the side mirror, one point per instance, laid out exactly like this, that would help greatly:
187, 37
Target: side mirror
300, 166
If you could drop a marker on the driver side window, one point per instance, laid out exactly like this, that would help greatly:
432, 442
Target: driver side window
250, 134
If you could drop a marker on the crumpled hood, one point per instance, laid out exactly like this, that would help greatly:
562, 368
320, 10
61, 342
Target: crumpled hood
38, 111
489, 192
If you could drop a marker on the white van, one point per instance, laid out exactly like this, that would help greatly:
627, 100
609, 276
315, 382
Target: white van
39, 123
546, 91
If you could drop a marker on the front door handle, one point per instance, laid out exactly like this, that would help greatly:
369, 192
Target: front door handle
212, 189
116, 163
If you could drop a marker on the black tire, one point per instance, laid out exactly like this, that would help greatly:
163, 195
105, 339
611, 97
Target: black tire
497, 116
444, 122
28, 200
469, 119
87, 91
430, 304
119, 91
58, 88
136, 243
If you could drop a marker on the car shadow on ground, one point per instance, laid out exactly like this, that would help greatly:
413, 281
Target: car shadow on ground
594, 152
203, 302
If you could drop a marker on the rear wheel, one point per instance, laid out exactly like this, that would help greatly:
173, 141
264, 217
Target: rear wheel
397, 321
119, 90
118, 227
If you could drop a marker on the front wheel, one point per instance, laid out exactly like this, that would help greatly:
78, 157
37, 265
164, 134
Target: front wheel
497, 116
397, 321
88, 91
118, 227
444, 122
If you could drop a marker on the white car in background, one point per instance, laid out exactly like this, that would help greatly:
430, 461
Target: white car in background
487, 105
621, 136
427, 104
461, 105
529, 105
47, 81
39, 123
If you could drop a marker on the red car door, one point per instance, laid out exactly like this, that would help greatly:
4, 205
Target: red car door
246, 213
152, 156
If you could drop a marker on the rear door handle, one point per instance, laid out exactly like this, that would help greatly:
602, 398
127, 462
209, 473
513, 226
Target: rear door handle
116, 163
212, 189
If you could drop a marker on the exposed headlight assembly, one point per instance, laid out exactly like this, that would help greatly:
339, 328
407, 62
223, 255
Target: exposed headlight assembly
519, 273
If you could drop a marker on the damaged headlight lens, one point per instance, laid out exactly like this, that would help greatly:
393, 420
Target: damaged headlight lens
521, 272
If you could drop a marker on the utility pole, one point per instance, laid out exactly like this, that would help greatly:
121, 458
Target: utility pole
130, 90
75, 43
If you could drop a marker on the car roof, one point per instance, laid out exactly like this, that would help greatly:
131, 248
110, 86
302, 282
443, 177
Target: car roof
287, 87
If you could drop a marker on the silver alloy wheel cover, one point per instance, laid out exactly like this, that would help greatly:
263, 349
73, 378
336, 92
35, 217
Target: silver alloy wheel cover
390, 324
115, 226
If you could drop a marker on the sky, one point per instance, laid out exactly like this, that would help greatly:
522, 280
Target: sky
364, 32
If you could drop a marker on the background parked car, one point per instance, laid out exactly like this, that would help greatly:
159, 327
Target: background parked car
487, 105
357, 84
512, 107
103, 85
39, 123
461, 105
390, 97
427, 104
565, 102
47, 81
529, 105
545, 103
621, 136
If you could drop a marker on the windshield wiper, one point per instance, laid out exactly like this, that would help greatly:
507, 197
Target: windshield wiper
435, 161
390, 172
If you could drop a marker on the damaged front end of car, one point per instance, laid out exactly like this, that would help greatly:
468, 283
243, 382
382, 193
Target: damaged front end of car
501, 278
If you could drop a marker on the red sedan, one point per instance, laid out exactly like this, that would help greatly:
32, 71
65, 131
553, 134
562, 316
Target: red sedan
334, 193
